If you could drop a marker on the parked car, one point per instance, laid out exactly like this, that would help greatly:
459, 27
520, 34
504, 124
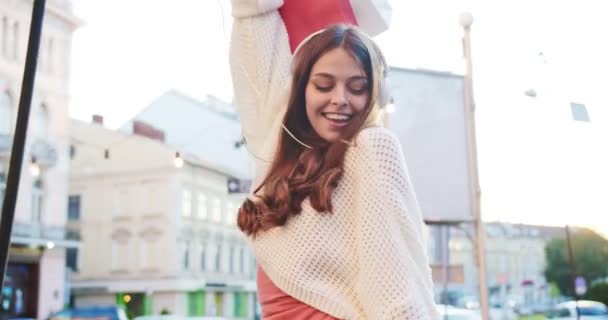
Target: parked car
86, 313
175, 317
455, 313
499, 312
591, 310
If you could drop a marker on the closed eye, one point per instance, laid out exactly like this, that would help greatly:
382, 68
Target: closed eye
358, 91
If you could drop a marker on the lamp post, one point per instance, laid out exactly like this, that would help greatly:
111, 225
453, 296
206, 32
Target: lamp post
466, 20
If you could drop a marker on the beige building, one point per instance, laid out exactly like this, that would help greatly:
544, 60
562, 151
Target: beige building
515, 262
157, 236
36, 276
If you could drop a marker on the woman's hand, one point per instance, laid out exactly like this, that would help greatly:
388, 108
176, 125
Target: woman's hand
303, 18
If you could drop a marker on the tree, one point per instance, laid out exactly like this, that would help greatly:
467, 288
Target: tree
598, 292
590, 252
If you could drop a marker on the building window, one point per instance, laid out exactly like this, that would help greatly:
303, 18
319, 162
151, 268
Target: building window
231, 260
186, 257
231, 213
217, 210
42, 120
5, 33
186, 203
122, 250
37, 198
123, 198
218, 258
50, 54
6, 113
242, 260
201, 202
144, 254
115, 255
74, 208
71, 259
203, 257
15, 40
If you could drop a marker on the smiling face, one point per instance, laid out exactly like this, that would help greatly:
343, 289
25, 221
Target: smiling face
337, 94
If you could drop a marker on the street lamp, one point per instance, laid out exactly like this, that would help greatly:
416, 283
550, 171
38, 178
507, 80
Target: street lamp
34, 168
466, 20
178, 161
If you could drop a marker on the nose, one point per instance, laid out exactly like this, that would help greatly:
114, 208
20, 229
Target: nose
339, 96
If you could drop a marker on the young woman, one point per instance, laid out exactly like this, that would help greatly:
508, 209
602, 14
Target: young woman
334, 222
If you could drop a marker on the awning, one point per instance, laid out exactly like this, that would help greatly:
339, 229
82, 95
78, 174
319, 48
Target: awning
49, 243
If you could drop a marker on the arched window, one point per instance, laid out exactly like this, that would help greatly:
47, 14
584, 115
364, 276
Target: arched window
50, 55
41, 122
5, 33
37, 201
15, 40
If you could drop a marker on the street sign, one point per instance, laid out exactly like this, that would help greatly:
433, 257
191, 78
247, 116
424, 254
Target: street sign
580, 286
238, 186
503, 279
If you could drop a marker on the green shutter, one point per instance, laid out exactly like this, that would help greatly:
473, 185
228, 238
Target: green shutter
237, 298
201, 303
240, 304
148, 306
191, 304
120, 301
196, 304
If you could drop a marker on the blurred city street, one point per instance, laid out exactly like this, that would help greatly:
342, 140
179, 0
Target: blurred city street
135, 165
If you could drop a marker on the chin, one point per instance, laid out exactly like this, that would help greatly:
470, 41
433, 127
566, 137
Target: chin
331, 137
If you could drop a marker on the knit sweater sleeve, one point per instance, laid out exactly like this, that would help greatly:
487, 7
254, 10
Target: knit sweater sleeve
260, 61
394, 279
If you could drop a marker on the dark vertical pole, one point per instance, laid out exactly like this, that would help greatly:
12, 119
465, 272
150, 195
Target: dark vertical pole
572, 270
14, 173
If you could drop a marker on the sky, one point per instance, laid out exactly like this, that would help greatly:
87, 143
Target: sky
536, 164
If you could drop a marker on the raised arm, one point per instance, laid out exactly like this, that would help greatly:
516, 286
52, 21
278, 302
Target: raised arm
260, 62
260, 54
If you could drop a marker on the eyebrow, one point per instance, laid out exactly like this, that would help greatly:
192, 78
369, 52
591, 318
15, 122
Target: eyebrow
329, 76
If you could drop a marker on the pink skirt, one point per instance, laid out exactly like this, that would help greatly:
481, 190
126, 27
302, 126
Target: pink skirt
277, 305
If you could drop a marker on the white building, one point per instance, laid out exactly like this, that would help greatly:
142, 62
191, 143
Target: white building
515, 262
36, 276
157, 237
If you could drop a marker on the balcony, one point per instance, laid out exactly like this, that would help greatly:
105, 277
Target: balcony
41, 235
45, 153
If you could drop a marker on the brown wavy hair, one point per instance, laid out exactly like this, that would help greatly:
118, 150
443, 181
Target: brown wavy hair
298, 173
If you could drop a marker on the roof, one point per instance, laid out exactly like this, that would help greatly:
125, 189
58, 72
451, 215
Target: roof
122, 144
207, 130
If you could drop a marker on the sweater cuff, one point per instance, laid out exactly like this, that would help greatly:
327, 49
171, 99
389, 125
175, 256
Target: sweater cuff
249, 8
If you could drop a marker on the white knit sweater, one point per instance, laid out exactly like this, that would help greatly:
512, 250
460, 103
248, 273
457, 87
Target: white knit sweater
367, 260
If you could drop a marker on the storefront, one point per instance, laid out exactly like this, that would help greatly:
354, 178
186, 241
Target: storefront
20, 291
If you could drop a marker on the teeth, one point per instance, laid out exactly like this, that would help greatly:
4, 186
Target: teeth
337, 116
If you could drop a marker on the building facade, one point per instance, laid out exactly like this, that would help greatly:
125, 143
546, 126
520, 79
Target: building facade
158, 227
36, 282
515, 262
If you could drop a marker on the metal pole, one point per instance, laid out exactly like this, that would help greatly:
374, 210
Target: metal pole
445, 241
14, 173
572, 270
466, 20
